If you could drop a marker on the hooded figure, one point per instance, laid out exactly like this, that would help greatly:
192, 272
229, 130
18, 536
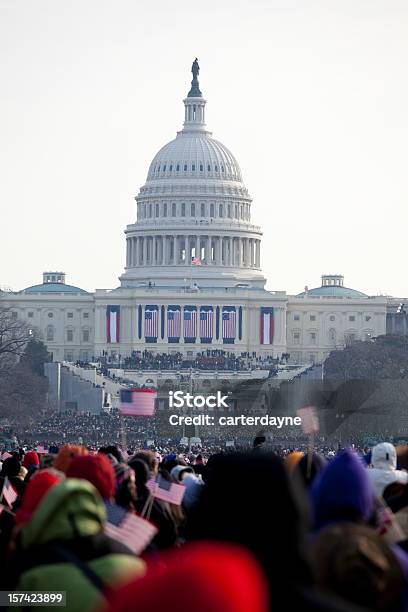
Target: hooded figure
249, 499
384, 470
63, 548
342, 491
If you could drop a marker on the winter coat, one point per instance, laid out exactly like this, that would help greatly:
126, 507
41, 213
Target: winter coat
384, 470
67, 526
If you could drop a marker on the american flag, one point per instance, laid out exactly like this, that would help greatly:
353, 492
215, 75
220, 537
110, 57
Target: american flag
206, 323
5, 456
138, 402
151, 322
196, 261
190, 323
173, 322
166, 491
8, 493
41, 450
310, 421
132, 530
228, 323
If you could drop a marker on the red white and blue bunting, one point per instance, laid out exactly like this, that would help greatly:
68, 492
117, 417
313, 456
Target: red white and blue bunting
267, 325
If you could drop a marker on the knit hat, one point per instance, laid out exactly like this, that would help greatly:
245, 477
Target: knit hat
35, 490
98, 470
177, 472
66, 454
11, 467
199, 577
31, 458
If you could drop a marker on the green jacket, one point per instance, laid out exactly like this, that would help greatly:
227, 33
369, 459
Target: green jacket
71, 517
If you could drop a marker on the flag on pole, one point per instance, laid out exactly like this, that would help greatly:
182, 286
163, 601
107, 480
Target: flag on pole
229, 321
267, 325
166, 491
132, 530
138, 402
195, 261
112, 323
310, 421
190, 322
8, 493
173, 321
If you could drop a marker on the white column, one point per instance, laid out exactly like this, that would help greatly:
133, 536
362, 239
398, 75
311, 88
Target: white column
186, 250
258, 253
154, 261
218, 250
247, 262
128, 252
144, 261
239, 252
197, 246
230, 251
208, 251
136, 258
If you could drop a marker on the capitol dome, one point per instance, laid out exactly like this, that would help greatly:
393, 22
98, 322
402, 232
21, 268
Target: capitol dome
193, 209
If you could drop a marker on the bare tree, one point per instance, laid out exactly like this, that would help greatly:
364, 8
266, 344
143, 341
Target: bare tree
14, 336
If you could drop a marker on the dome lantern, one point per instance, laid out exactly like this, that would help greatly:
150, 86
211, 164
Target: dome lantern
194, 111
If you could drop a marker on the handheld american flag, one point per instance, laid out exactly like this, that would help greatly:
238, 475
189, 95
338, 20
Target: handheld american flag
166, 491
138, 402
196, 261
132, 530
310, 422
5, 456
8, 493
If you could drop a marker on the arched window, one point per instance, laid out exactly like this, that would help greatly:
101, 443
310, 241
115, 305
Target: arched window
164, 209
209, 168
173, 209
203, 209
171, 167
221, 210
157, 210
164, 168
201, 168
229, 211
178, 168
193, 168
50, 333
183, 210
185, 167
150, 210
192, 214
211, 210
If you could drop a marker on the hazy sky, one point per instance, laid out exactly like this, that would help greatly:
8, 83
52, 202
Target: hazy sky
310, 96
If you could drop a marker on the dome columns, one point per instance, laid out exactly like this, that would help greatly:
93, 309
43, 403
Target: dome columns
179, 249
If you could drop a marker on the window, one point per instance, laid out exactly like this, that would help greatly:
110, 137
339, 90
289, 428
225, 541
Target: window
332, 318
203, 210
50, 315
30, 315
185, 167
313, 337
296, 338
14, 315
222, 168
229, 211
50, 333
165, 209
173, 209
211, 210
150, 210
85, 335
86, 315
70, 315
312, 317
183, 210
296, 317
157, 210
70, 335
221, 210
352, 318
209, 168
164, 168
192, 214
201, 168
193, 167
178, 168
171, 167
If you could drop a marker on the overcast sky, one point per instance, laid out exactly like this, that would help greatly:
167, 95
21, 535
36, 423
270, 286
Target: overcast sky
311, 97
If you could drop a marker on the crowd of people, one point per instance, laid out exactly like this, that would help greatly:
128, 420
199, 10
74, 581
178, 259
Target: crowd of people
252, 530
210, 359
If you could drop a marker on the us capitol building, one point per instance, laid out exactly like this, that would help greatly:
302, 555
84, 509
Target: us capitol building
193, 279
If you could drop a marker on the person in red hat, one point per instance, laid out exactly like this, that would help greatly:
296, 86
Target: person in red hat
35, 490
98, 470
201, 577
